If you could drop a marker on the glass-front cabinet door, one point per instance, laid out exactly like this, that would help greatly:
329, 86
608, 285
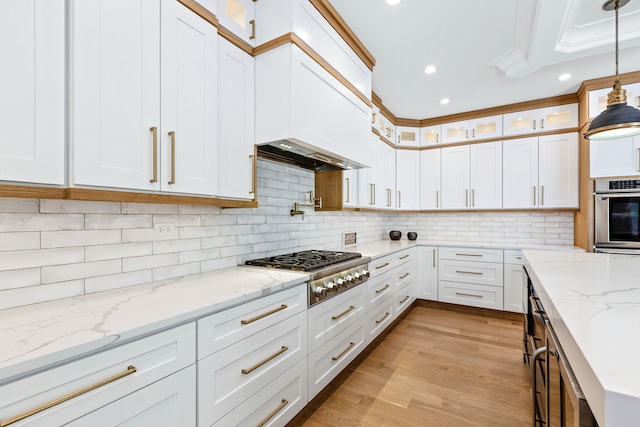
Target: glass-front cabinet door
238, 16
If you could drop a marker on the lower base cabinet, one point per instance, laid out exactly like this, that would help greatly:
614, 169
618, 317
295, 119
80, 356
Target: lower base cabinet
379, 318
472, 294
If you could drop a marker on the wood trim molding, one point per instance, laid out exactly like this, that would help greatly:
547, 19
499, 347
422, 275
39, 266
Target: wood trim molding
31, 192
201, 11
336, 21
235, 40
377, 101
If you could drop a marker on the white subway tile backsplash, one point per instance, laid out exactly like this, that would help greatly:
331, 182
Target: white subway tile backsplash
150, 261
19, 241
39, 258
79, 207
63, 273
173, 271
179, 246
116, 281
62, 239
149, 208
12, 279
39, 222
19, 205
35, 294
133, 235
125, 250
109, 221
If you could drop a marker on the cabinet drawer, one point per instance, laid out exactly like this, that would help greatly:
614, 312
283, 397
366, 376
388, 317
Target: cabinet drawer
471, 294
274, 405
379, 319
330, 359
230, 376
403, 299
471, 254
513, 256
154, 357
381, 265
227, 327
404, 273
484, 273
329, 318
403, 256
380, 288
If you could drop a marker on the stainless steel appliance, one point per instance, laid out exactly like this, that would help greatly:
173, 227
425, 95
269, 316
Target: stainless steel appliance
332, 272
557, 400
617, 216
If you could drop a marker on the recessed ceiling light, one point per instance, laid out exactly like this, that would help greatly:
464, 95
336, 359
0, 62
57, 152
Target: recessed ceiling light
393, 2
430, 69
565, 76
444, 101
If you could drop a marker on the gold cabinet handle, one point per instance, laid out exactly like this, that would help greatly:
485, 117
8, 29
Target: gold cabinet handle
404, 275
469, 272
473, 197
382, 289
336, 317
434, 257
405, 256
534, 125
262, 316
462, 294
284, 403
172, 134
348, 190
130, 370
388, 197
473, 133
534, 195
253, 173
466, 198
437, 198
154, 153
437, 138
542, 124
373, 117
466, 133
268, 359
382, 266
383, 317
542, 195
405, 299
253, 29
463, 254
334, 358
399, 199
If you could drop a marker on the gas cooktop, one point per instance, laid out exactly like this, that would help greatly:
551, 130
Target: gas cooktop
304, 260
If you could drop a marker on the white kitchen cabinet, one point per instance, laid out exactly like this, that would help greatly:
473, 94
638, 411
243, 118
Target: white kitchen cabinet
236, 159
430, 135
407, 136
541, 172
408, 179
144, 97
32, 84
298, 99
350, 188
541, 120
403, 298
238, 16
428, 273
513, 276
598, 98
475, 129
388, 183
430, 179
472, 176
386, 129
615, 157
369, 178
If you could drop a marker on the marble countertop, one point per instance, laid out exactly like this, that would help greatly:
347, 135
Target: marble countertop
593, 304
36, 335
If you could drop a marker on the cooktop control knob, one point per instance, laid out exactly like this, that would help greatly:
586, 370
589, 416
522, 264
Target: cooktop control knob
349, 278
341, 282
356, 275
332, 287
320, 291
365, 273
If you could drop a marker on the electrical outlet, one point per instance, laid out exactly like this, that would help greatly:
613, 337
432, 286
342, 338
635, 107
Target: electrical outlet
164, 230
349, 238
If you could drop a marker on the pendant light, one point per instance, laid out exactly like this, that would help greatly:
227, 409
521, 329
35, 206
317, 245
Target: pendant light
619, 120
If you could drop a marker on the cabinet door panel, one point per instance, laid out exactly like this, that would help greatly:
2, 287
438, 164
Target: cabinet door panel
32, 84
189, 101
558, 167
520, 173
428, 273
618, 157
408, 179
486, 176
430, 179
115, 96
236, 16
455, 177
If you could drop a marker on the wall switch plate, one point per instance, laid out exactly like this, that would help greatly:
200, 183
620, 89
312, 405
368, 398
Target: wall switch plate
349, 238
164, 230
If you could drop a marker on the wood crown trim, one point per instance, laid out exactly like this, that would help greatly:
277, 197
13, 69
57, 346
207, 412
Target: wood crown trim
338, 24
201, 11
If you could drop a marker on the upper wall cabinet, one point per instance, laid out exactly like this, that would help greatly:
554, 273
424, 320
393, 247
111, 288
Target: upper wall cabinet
238, 16
541, 120
298, 99
469, 130
430, 135
385, 127
430, 179
407, 136
616, 157
32, 84
598, 98
408, 179
143, 108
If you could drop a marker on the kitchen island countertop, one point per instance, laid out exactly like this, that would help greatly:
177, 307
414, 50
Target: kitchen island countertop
593, 304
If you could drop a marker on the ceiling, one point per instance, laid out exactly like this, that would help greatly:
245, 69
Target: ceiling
488, 53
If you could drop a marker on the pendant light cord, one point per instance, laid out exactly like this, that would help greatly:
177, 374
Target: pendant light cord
617, 7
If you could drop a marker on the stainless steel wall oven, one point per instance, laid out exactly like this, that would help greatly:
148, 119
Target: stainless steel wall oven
617, 216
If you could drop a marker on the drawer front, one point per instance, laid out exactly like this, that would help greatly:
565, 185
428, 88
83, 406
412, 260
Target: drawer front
381, 265
403, 256
227, 327
329, 318
404, 274
230, 376
379, 319
274, 405
380, 288
154, 357
471, 294
403, 299
513, 256
483, 273
471, 254
330, 359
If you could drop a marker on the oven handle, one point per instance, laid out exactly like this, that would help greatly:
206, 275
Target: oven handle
534, 386
605, 196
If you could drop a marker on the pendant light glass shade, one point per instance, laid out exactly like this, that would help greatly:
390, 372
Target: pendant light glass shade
619, 120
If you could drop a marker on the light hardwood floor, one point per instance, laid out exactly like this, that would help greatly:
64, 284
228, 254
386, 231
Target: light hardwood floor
437, 367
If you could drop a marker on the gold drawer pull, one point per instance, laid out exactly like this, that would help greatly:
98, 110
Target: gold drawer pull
268, 359
253, 29
383, 289
343, 313
406, 256
334, 358
130, 370
154, 154
383, 317
172, 134
404, 275
262, 316
382, 266
284, 403
468, 254
405, 299
469, 272
462, 294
